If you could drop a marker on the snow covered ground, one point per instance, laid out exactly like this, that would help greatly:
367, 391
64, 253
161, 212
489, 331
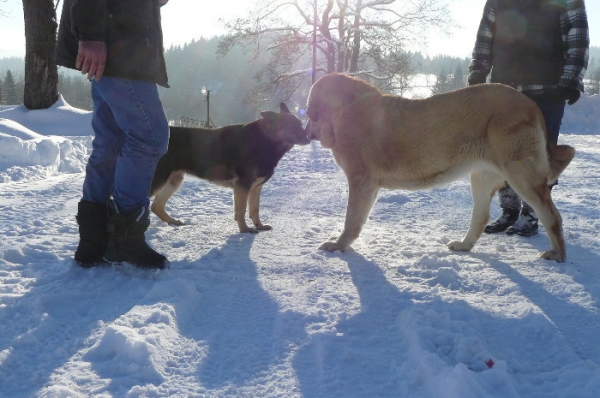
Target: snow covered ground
268, 315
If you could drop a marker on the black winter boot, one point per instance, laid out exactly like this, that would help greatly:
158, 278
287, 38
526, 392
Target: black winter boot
510, 203
526, 225
93, 235
506, 219
127, 241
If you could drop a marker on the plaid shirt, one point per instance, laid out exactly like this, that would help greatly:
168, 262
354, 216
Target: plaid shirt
575, 36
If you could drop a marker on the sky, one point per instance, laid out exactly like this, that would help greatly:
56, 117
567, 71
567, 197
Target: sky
397, 315
184, 20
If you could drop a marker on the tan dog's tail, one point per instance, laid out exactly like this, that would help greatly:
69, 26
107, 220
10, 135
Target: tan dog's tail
560, 157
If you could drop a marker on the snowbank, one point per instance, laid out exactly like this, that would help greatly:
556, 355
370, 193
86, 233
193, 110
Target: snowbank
23, 150
60, 119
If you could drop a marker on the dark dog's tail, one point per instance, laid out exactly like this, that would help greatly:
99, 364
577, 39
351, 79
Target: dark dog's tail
560, 157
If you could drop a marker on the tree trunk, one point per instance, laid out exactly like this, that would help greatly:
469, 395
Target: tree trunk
41, 76
329, 46
357, 39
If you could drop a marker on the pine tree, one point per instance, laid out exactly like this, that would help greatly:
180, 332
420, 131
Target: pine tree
458, 79
442, 83
11, 89
593, 78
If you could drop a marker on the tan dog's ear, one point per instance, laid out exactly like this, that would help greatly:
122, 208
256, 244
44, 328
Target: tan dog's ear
342, 87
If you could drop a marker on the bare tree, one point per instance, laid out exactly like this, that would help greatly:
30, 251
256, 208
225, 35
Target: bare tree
2, 13
360, 37
41, 77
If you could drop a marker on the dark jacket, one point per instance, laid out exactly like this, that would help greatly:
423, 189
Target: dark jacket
131, 30
528, 46
540, 45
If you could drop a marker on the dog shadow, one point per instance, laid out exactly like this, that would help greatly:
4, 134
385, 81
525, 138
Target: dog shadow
398, 332
243, 330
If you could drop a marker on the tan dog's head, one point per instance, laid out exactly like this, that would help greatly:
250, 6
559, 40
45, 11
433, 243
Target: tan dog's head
283, 126
327, 98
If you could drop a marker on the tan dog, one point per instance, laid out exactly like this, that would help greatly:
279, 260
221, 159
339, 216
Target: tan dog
490, 131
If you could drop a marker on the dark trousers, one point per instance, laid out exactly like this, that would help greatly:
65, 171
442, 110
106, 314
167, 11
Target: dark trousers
553, 111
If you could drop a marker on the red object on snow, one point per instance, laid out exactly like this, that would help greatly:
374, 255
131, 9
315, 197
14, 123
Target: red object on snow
489, 363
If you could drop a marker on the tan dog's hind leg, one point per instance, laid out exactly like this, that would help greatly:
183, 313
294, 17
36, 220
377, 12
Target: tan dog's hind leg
483, 187
254, 207
162, 196
538, 195
240, 200
362, 194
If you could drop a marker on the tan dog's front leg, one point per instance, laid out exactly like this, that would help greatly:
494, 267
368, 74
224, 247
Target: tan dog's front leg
483, 187
240, 198
254, 207
362, 194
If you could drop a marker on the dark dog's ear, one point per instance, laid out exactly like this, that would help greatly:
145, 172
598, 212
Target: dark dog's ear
269, 114
283, 108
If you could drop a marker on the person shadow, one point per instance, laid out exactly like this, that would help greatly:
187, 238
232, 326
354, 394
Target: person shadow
44, 328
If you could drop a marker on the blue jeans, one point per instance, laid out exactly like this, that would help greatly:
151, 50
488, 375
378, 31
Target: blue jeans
131, 135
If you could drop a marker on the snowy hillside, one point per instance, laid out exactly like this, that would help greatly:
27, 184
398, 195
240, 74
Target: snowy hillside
268, 315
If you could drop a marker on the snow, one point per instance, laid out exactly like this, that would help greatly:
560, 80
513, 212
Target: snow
22, 145
269, 315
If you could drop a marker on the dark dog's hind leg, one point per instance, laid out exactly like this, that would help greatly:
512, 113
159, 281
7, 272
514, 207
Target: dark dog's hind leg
163, 194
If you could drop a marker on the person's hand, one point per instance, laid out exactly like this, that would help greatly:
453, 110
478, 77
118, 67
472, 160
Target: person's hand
475, 78
91, 59
162, 2
571, 95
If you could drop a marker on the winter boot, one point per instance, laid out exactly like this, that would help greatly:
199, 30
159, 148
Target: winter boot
526, 225
127, 242
93, 235
510, 203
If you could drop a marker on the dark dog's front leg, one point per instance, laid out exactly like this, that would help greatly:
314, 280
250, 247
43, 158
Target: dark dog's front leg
240, 199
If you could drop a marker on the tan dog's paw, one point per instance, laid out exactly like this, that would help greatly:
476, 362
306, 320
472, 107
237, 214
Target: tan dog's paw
264, 227
331, 246
459, 246
248, 230
553, 255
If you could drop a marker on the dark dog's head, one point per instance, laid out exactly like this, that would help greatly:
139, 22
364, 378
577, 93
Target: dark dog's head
283, 126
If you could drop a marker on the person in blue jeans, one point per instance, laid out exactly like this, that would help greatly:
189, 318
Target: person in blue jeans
539, 47
118, 44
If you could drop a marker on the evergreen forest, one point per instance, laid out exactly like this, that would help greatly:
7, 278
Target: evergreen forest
206, 88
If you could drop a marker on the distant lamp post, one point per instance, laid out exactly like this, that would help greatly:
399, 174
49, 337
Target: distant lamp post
206, 94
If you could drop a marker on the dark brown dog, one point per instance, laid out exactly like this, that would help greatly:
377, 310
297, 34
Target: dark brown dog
242, 157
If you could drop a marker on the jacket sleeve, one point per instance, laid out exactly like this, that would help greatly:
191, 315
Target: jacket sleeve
89, 19
481, 63
576, 41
